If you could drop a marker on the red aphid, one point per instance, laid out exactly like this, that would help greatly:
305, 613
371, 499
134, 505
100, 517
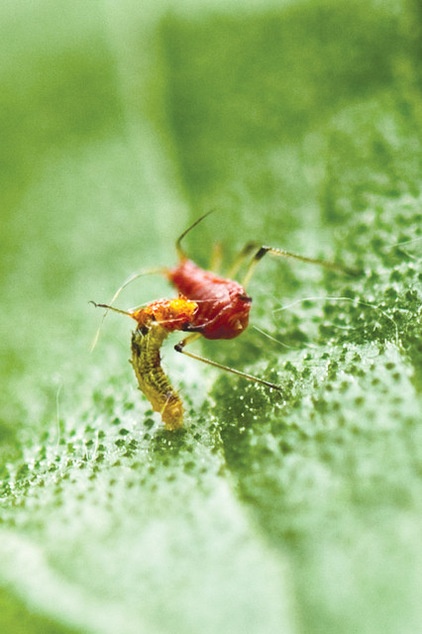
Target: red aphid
223, 304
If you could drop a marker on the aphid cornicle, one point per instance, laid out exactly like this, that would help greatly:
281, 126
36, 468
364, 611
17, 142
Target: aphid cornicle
208, 305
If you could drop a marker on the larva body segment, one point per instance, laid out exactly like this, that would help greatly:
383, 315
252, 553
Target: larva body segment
155, 322
153, 382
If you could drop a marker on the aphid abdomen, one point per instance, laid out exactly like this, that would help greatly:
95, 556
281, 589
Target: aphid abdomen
223, 304
152, 380
193, 281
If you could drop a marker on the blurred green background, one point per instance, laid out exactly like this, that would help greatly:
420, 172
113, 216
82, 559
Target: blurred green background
300, 122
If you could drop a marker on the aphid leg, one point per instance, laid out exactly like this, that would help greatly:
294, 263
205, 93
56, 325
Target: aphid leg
263, 250
180, 347
216, 257
247, 250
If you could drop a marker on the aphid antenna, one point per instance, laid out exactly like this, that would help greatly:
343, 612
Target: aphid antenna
271, 338
108, 307
405, 243
344, 299
180, 252
159, 270
399, 244
162, 270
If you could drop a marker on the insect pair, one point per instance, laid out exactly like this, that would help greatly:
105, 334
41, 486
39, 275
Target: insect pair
207, 306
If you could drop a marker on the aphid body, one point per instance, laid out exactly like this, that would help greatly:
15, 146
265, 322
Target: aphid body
223, 304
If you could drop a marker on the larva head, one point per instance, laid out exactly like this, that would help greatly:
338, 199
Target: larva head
171, 314
180, 311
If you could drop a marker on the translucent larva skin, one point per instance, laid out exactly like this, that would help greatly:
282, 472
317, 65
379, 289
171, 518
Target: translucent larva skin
153, 382
155, 322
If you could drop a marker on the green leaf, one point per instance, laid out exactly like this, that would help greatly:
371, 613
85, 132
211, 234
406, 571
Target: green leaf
300, 122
